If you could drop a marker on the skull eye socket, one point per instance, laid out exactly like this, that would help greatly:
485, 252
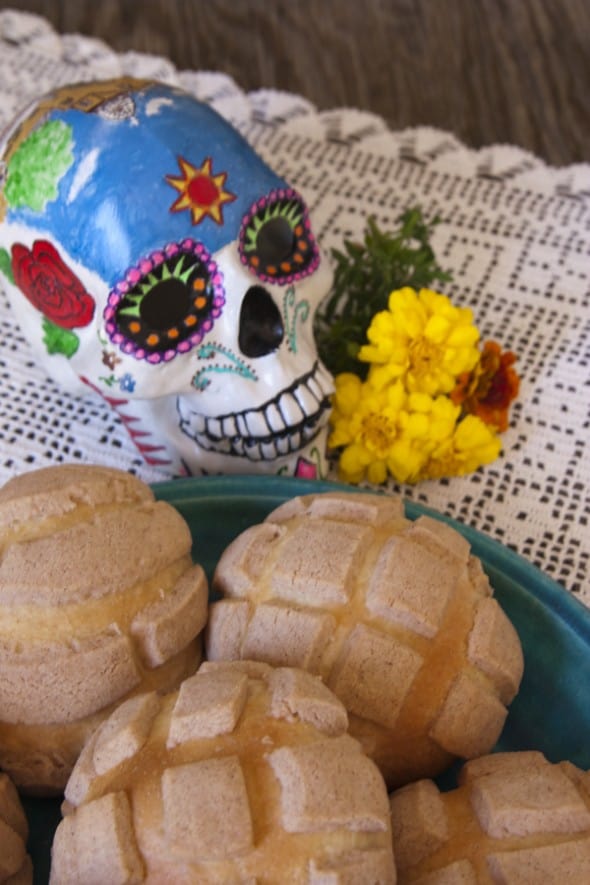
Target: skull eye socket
166, 304
276, 241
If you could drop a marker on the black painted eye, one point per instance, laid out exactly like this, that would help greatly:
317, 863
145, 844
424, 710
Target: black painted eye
276, 241
167, 304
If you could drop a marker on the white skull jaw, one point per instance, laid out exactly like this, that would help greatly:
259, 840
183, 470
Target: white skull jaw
291, 424
254, 397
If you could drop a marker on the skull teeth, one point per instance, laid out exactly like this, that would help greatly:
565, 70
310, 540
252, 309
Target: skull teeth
280, 427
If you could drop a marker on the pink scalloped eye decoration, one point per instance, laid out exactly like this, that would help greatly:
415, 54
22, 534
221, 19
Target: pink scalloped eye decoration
165, 304
276, 241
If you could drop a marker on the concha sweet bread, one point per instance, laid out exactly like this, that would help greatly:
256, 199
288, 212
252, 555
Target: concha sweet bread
396, 616
99, 601
245, 774
15, 863
514, 818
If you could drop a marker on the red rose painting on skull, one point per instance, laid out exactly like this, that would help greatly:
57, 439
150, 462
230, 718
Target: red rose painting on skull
51, 286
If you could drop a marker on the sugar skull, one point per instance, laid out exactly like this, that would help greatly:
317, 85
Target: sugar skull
151, 256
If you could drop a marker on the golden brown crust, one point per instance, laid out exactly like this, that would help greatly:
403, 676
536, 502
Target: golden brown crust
50, 492
41, 757
514, 818
99, 600
244, 774
396, 616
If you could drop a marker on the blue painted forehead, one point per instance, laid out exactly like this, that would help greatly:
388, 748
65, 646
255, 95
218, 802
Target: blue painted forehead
155, 168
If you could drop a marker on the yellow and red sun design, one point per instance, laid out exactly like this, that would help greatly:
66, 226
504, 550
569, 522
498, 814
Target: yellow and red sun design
200, 191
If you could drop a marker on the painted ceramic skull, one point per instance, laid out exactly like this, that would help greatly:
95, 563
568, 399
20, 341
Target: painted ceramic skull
152, 256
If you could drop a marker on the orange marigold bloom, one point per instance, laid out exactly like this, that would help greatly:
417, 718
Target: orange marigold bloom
489, 389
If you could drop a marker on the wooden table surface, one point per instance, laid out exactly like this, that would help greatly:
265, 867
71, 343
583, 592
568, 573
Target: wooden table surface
490, 71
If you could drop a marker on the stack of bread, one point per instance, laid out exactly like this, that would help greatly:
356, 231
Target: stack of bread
99, 601
352, 652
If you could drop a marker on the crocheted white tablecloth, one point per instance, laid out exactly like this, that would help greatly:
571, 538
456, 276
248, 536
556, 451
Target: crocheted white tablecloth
515, 234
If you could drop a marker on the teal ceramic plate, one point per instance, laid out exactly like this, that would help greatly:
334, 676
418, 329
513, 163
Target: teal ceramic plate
551, 712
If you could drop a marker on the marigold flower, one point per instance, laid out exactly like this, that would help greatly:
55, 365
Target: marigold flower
424, 338
490, 388
431, 403
433, 418
386, 432
424, 424
365, 422
472, 445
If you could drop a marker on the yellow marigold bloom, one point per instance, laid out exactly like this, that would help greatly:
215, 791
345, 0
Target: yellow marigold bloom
423, 338
365, 424
385, 432
401, 421
425, 424
347, 393
472, 445
433, 418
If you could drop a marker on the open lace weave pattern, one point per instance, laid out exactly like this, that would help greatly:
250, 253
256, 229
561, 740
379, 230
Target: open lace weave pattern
515, 233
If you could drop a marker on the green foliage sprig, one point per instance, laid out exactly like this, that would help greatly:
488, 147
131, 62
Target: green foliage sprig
364, 276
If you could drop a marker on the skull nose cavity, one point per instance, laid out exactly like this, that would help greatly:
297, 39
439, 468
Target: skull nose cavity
261, 325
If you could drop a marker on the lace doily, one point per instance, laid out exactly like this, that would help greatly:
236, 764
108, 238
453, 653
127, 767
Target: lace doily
515, 233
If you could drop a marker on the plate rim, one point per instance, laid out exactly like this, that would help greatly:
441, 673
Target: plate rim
540, 585
560, 604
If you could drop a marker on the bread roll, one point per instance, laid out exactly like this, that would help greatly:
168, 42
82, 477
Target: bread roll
396, 616
246, 774
514, 818
99, 601
15, 863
